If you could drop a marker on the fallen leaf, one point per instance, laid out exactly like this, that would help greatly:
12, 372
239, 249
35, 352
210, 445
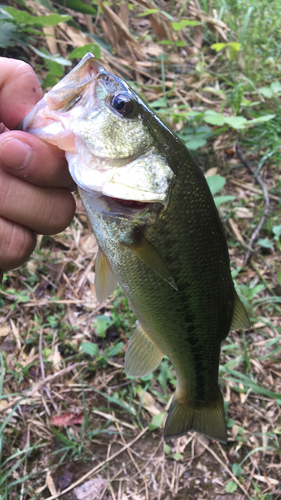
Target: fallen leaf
4, 330
148, 402
67, 419
50, 483
3, 404
212, 171
55, 358
16, 333
268, 480
91, 490
243, 213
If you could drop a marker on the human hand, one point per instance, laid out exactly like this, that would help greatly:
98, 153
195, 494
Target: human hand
34, 180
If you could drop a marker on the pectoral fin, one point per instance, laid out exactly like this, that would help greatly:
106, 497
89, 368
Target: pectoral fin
240, 317
105, 281
142, 355
151, 257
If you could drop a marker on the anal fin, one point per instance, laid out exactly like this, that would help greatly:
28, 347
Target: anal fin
240, 317
142, 355
208, 420
105, 281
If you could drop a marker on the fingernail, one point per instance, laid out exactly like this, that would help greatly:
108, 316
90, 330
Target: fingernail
14, 154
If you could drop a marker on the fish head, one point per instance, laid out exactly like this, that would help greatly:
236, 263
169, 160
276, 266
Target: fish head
109, 136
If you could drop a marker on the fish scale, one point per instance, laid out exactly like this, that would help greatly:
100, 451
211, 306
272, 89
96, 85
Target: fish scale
159, 235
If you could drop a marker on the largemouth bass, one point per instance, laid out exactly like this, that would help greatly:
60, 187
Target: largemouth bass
158, 231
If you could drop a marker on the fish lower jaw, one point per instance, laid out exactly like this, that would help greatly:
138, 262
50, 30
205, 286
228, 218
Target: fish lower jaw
127, 204
121, 208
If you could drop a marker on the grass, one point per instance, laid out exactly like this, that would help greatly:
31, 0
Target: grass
63, 353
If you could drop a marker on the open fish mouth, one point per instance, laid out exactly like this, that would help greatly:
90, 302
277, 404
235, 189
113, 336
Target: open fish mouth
131, 204
122, 208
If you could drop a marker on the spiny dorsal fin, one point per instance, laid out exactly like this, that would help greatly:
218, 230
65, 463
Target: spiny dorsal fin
240, 317
150, 256
142, 355
105, 281
184, 417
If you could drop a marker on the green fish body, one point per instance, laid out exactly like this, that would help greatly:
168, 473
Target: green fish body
158, 231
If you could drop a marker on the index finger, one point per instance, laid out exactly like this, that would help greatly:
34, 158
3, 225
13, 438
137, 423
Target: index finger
20, 90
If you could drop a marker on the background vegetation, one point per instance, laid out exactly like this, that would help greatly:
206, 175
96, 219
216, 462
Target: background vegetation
70, 419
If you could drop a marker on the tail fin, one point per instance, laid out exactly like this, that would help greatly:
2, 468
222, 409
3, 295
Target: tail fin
207, 420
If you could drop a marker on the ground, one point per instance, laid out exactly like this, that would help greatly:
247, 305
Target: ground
73, 425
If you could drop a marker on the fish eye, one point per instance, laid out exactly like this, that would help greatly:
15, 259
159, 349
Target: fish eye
123, 104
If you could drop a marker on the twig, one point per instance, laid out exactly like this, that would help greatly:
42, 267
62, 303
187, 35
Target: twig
133, 460
255, 267
266, 199
39, 386
42, 367
233, 477
252, 189
97, 467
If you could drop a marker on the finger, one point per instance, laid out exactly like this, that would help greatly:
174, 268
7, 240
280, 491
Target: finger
20, 90
16, 244
44, 210
29, 158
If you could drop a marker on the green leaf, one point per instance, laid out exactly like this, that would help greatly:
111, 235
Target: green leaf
230, 487
79, 52
57, 58
177, 456
213, 118
160, 103
165, 42
260, 119
276, 87
277, 231
265, 243
236, 122
180, 43
237, 469
235, 46
78, 6
266, 92
147, 12
6, 34
90, 348
183, 23
23, 17
195, 144
218, 46
156, 421
215, 183
116, 349
103, 322
223, 199
167, 449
